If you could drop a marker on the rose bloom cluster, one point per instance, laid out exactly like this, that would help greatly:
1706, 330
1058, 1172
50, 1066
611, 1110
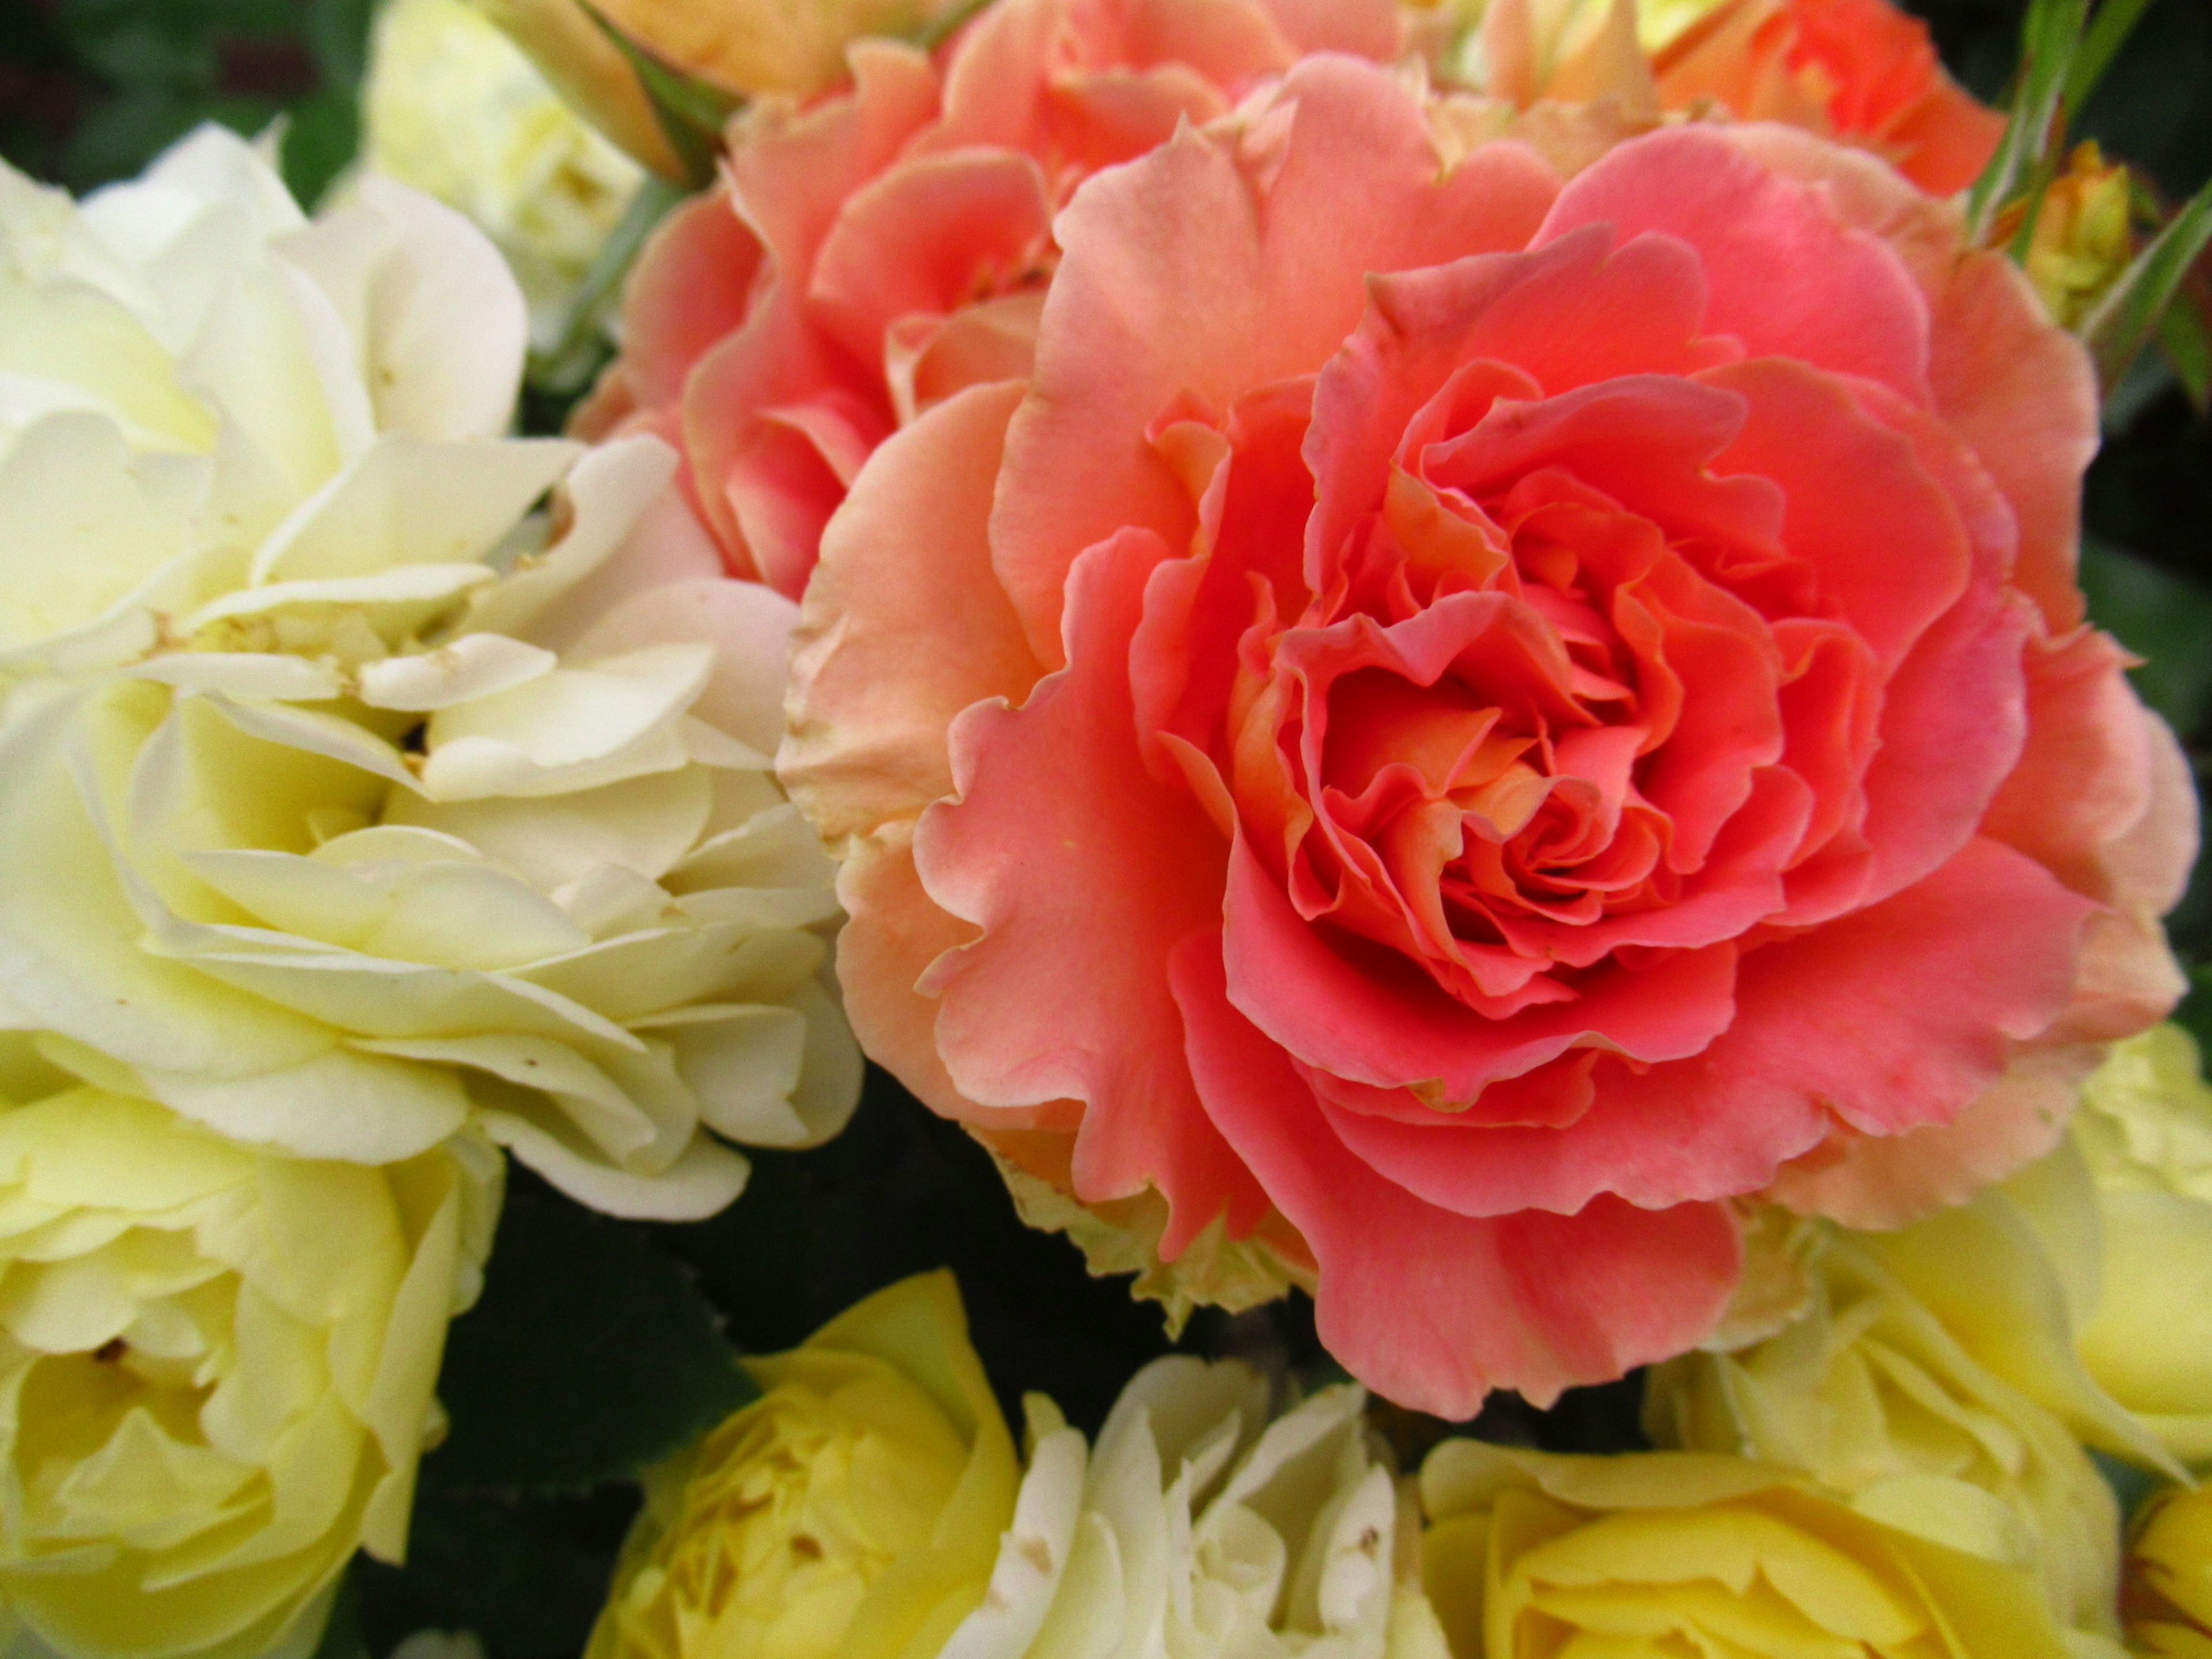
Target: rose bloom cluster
1466, 691
1431, 657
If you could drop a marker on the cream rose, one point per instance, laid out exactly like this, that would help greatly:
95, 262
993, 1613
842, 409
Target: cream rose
219, 1362
351, 799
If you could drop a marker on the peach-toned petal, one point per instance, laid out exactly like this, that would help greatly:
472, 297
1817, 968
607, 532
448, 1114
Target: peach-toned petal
1945, 139
925, 238
893, 932
692, 284
1886, 1182
1883, 539
902, 627
1954, 719
1807, 1015
1366, 29
791, 170
1382, 1023
2085, 769
2016, 387
1981, 951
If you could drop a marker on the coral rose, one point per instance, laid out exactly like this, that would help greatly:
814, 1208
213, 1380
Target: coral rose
1489, 761
868, 257
1862, 70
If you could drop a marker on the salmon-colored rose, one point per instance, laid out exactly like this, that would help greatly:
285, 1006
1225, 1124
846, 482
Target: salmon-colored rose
1862, 70
870, 255
1487, 720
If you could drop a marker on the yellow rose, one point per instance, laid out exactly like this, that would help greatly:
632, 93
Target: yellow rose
1872, 1396
218, 1362
1679, 1553
2169, 1600
2083, 239
853, 1511
2145, 1130
1200, 1529
350, 798
454, 107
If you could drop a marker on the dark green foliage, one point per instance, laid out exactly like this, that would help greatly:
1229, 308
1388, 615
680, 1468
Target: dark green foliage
526, 1574
2163, 617
591, 1356
92, 90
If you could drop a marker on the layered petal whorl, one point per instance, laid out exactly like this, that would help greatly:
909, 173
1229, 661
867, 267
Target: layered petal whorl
354, 796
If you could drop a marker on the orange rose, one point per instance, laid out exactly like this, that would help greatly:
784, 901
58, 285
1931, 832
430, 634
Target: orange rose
1862, 70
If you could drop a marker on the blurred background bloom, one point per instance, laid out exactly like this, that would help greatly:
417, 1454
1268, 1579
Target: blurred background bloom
454, 107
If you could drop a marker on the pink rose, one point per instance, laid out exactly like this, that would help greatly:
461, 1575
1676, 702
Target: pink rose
867, 257
1488, 763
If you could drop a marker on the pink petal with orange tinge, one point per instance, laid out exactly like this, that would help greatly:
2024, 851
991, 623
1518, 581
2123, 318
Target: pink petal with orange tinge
1202, 271
1058, 826
1784, 276
1434, 1310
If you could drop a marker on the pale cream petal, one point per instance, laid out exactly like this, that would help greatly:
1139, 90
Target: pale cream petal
344, 1103
473, 666
705, 1180
410, 500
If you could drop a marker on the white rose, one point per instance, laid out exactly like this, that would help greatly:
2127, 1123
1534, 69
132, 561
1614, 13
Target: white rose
1199, 1529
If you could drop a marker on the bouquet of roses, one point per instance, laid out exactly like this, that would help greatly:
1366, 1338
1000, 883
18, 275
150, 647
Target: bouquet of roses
1423, 663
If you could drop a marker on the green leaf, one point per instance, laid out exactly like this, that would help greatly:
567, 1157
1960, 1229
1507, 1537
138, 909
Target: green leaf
2188, 342
320, 137
337, 33
2049, 38
2132, 1487
590, 1357
2161, 617
2132, 307
2108, 31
